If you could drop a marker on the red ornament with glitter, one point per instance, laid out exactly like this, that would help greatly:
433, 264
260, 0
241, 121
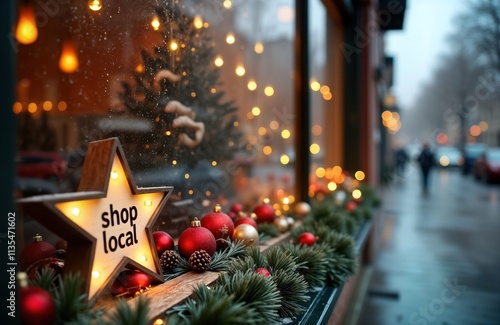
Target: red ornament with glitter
37, 305
306, 238
163, 242
37, 250
265, 213
196, 238
220, 224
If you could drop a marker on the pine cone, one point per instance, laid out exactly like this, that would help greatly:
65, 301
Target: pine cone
169, 260
199, 261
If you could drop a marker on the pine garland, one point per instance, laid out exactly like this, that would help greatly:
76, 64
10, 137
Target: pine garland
312, 262
70, 300
256, 292
293, 289
211, 306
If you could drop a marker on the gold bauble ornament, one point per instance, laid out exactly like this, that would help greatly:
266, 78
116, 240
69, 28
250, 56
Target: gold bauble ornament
281, 223
302, 209
290, 221
246, 233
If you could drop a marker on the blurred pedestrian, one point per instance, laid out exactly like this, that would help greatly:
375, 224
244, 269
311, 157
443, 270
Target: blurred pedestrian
401, 160
426, 161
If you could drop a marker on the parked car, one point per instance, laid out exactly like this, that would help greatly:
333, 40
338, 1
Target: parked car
487, 165
37, 164
448, 157
471, 153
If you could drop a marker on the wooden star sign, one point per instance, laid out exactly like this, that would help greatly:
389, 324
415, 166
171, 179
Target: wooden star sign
107, 222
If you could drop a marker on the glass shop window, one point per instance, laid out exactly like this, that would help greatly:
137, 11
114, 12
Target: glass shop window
200, 94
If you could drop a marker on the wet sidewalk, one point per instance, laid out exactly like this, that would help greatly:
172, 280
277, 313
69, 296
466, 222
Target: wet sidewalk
438, 259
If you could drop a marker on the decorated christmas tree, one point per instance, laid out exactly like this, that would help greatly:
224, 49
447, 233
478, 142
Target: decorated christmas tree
181, 69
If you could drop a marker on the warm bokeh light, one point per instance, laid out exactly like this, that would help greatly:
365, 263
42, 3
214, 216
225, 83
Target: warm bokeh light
240, 71
250, 116
324, 89
285, 134
332, 186
483, 125
174, 46
32, 107
230, 39
442, 138
284, 159
274, 125
62, 106
155, 23
198, 22
96, 274
337, 170
314, 148
269, 91
139, 68
95, 5
327, 96
320, 172
255, 111
267, 150
444, 161
315, 86
26, 30
252, 85
359, 175
395, 115
386, 115
475, 130
47, 105
262, 131
75, 211
17, 107
158, 321
214, 163
356, 194
218, 61
68, 61
316, 130
259, 48
286, 14
227, 4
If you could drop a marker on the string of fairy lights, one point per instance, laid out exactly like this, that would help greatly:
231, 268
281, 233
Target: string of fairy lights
271, 129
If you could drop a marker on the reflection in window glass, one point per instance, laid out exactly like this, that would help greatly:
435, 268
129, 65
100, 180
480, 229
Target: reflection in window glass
198, 92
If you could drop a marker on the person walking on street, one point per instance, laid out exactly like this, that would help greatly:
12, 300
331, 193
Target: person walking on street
426, 161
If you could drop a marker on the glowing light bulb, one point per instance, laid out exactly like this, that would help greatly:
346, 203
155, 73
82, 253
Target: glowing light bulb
68, 61
230, 39
174, 46
269, 91
155, 23
240, 70
75, 212
96, 274
148, 203
266, 200
144, 258
219, 61
259, 48
198, 22
186, 176
95, 5
26, 30
252, 85
114, 174
214, 163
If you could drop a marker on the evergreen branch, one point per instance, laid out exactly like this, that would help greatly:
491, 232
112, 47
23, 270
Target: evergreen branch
256, 291
312, 262
211, 306
124, 314
293, 290
70, 300
279, 259
46, 279
221, 260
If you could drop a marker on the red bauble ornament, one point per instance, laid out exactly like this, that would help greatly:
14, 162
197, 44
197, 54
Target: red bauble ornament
37, 305
246, 220
237, 208
220, 224
351, 206
232, 214
265, 213
163, 242
306, 238
263, 271
130, 282
196, 238
37, 250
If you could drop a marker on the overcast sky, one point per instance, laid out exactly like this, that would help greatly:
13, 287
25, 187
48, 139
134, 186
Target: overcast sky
417, 47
